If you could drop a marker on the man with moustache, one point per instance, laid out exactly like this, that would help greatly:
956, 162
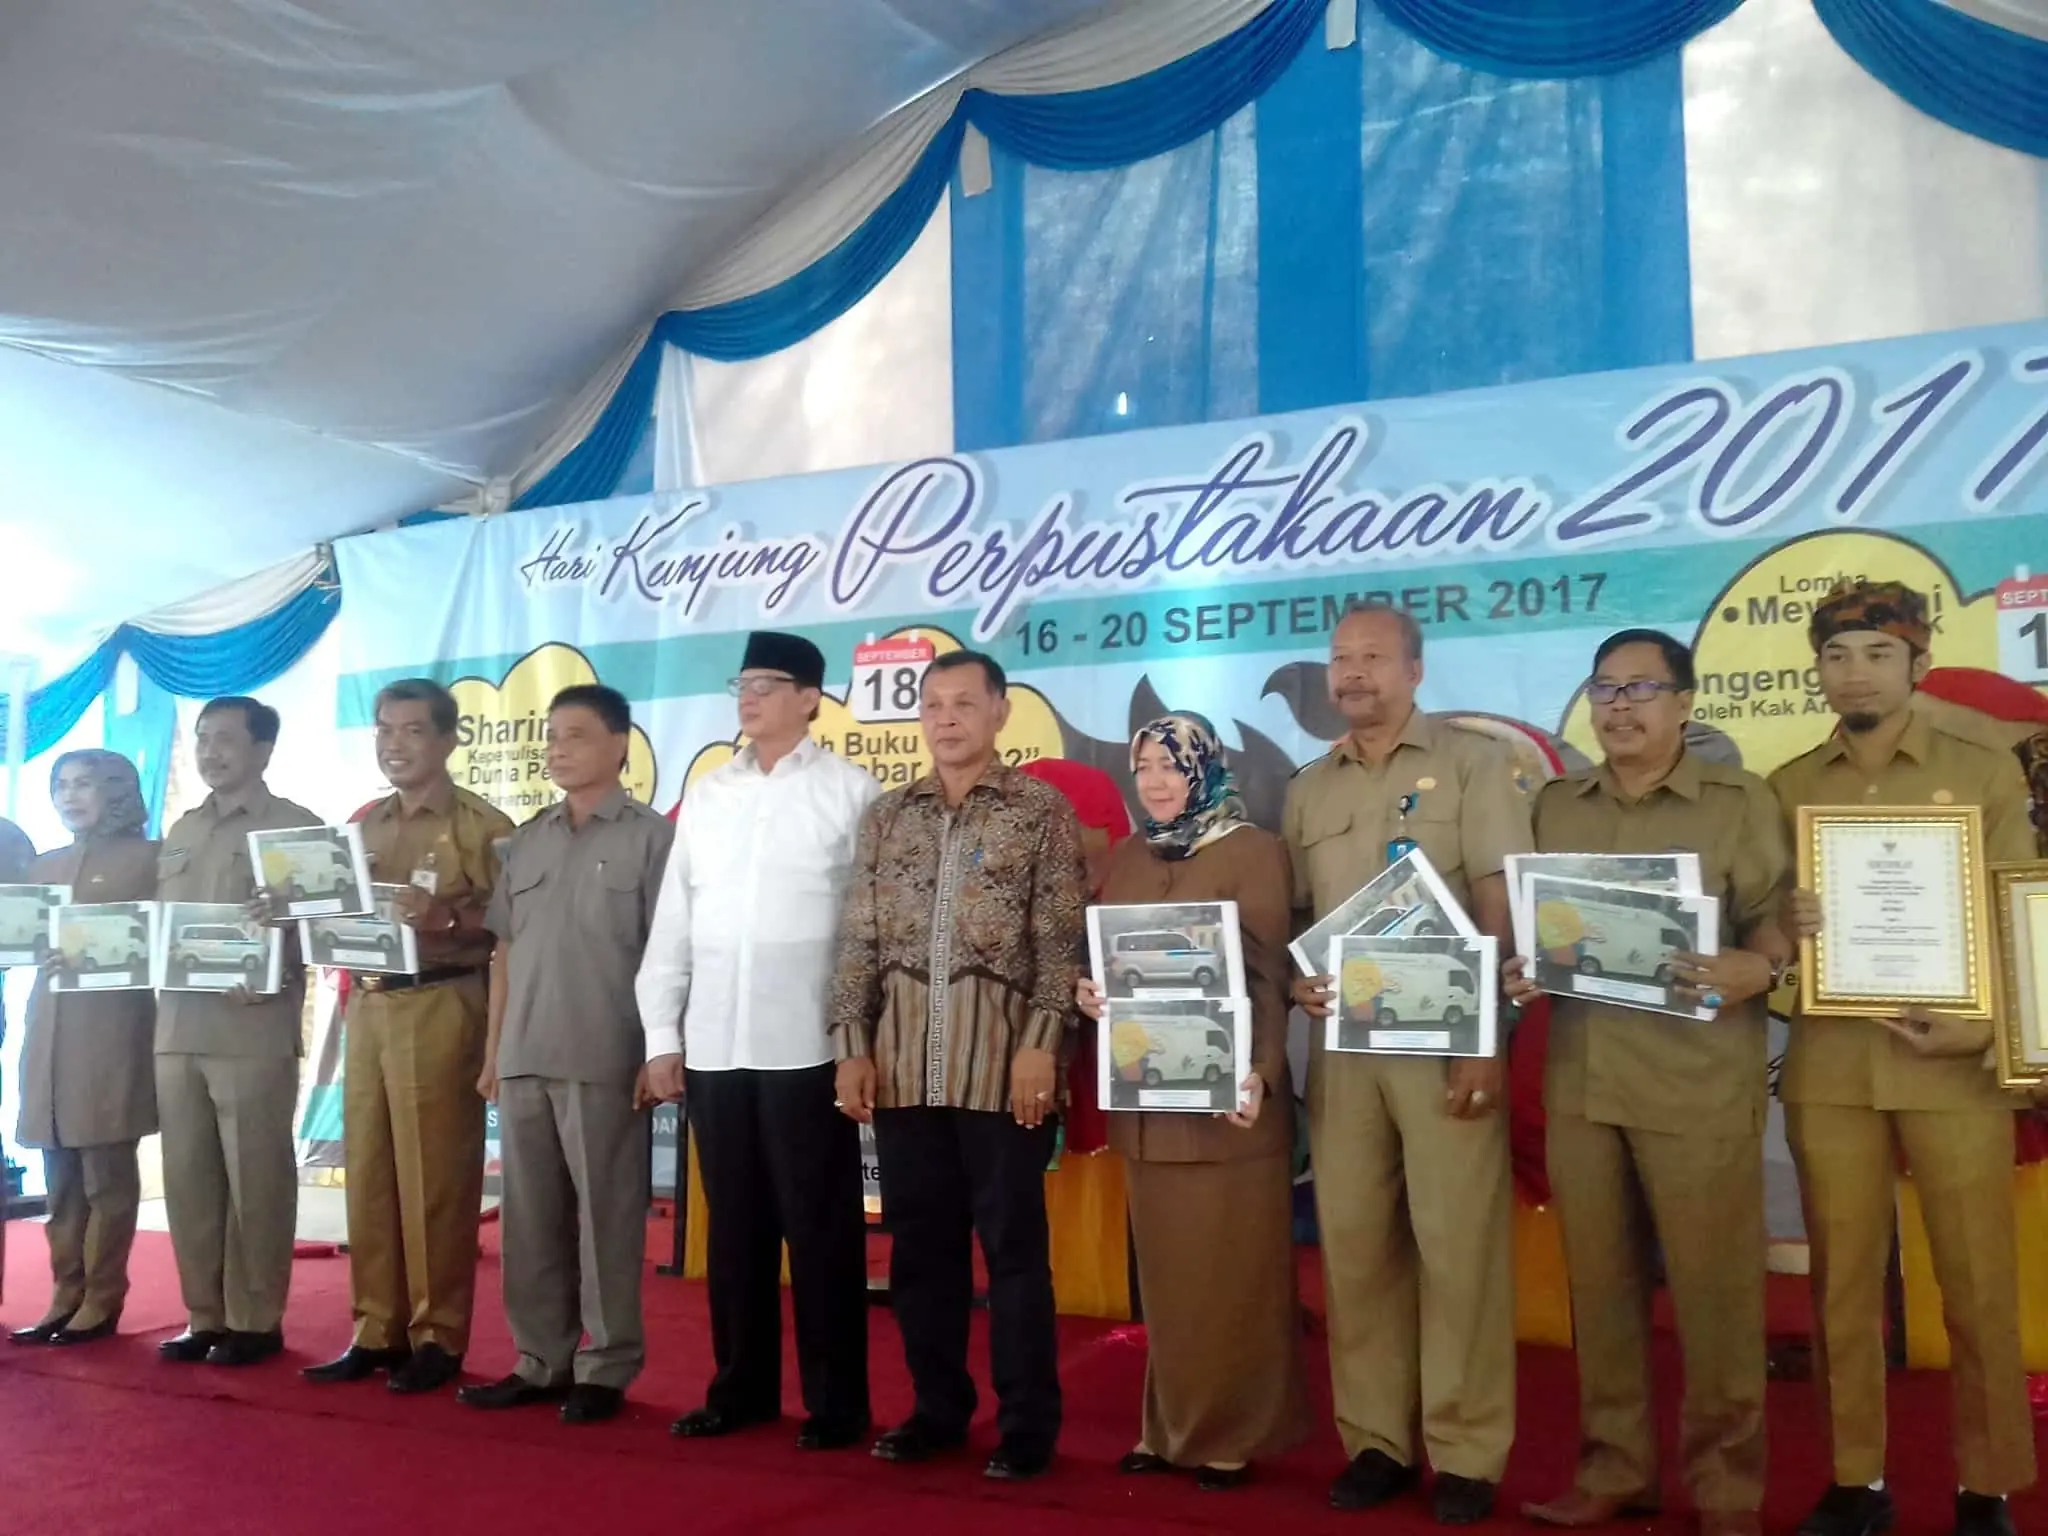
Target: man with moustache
411, 1117
563, 1062
958, 952
227, 1067
1656, 1122
733, 998
1860, 1092
1413, 1188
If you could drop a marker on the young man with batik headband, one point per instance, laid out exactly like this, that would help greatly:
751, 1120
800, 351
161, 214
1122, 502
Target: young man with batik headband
1859, 1092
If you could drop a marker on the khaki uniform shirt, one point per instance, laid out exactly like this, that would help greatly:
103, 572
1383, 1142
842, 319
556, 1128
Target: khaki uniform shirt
454, 839
88, 1078
205, 857
1342, 811
1651, 1071
574, 905
1858, 1062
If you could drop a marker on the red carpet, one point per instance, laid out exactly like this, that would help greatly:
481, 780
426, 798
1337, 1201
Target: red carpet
105, 1439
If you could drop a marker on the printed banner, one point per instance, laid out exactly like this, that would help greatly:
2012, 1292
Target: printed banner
1204, 567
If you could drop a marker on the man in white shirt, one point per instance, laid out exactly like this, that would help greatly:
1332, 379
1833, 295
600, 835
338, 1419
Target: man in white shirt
734, 988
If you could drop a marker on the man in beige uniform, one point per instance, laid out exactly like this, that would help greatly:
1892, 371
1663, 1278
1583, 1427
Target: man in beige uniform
1858, 1092
1655, 1123
411, 1118
565, 1063
227, 1068
1413, 1191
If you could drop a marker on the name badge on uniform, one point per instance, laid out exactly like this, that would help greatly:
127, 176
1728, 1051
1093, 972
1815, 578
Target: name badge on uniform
427, 880
1400, 845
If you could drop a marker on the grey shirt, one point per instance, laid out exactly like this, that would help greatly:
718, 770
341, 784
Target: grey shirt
574, 905
205, 857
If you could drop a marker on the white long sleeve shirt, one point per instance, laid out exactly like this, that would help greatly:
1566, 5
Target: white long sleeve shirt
738, 968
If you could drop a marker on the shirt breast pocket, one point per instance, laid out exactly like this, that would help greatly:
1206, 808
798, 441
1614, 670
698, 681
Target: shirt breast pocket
1435, 829
1328, 846
526, 892
172, 866
619, 881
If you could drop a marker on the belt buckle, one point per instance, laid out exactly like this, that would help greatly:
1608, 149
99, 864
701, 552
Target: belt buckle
373, 983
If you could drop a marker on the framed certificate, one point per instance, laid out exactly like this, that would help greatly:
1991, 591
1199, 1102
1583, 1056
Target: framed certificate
1905, 910
2020, 899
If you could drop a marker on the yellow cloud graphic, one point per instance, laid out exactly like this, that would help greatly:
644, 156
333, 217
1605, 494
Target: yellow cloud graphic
895, 753
1757, 679
502, 731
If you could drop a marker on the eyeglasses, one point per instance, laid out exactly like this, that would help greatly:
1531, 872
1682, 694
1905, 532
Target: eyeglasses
1641, 691
757, 687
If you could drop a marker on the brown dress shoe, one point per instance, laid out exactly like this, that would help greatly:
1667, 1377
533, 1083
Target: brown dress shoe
1577, 1510
1730, 1522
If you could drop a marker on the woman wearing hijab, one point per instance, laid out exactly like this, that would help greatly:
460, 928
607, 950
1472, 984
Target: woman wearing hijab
88, 1075
1211, 1197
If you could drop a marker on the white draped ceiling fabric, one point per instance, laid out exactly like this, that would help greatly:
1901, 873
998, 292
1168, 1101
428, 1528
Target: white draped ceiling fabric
326, 261
348, 258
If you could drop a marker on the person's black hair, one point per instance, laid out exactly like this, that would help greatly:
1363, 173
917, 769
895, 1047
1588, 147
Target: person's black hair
991, 669
608, 704
1677, 655
259, 717
441, 707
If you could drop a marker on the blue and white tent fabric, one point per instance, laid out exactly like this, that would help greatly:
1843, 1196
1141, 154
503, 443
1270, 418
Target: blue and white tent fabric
1178, 210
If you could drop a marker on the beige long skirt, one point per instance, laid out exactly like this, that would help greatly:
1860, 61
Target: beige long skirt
1217, 1280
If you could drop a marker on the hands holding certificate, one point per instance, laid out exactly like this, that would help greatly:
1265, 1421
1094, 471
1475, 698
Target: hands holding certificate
1927, 1031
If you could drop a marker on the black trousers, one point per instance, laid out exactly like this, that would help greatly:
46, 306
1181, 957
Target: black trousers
781, 1165
949, 1175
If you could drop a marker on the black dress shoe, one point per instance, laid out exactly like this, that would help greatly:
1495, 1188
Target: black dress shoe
429, 1370
189, 1348
914, 1441
246, 1348
1851, 1511
1980, 1514
1222, 1479
1142, 1464
1371, 1480
818, 1434
105, 1328
591, 1404
509, 1392
1017, 1464
1461, 1500
711, 1423
41, 1333
357, 1364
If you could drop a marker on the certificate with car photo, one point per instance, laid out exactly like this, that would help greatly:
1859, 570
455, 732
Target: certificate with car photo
207, 946
376, 942
1173, 950
1675, 872
1407, 897
314, 871
103, 946
1189, 1055
1415, 995
25, 921
1615, 943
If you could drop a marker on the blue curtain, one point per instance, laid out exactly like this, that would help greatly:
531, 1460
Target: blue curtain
1383, 222
1985, 80
1548, 38
1116, 125
236, 660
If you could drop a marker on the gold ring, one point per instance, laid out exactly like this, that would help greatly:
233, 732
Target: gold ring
1480, 1098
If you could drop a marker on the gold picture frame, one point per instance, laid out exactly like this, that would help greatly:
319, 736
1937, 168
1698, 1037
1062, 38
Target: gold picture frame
2019, 897
1898, 833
